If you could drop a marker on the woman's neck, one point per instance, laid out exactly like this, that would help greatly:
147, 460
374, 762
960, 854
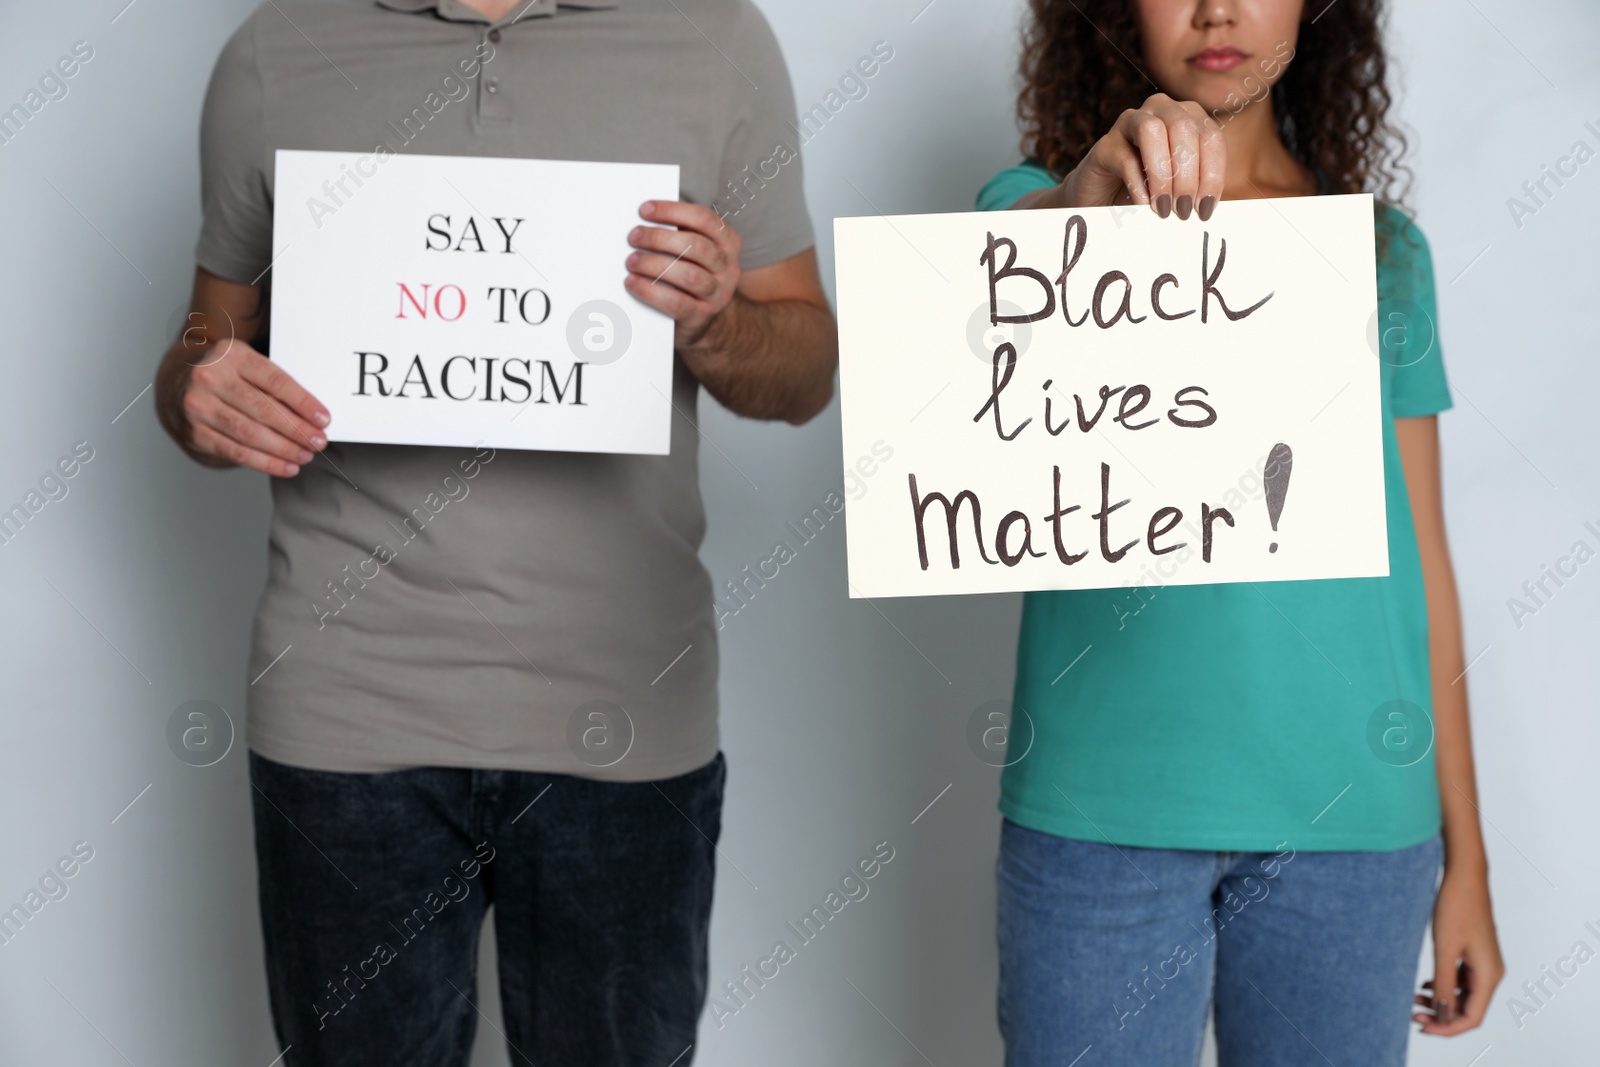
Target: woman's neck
1258, 163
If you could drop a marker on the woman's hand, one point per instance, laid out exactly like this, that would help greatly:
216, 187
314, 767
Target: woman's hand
1169, 154
1466, 953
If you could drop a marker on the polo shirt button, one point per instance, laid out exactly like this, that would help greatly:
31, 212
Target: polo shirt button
492, 85
494, 35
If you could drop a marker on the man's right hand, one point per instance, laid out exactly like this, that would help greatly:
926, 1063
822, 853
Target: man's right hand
224, 402
242, 408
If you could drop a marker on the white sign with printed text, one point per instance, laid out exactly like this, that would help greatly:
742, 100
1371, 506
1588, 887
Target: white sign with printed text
452, 300
1098, 397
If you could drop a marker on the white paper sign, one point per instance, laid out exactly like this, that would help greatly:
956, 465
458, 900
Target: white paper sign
1191, 402
450, 300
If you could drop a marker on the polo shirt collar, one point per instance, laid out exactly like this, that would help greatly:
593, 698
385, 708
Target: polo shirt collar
456, 11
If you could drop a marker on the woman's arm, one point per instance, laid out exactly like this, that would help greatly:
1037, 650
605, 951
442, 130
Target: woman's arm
1467, 964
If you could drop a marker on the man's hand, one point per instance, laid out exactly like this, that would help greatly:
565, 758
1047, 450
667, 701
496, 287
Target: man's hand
690, 273
762, 342
244, 409
224, 402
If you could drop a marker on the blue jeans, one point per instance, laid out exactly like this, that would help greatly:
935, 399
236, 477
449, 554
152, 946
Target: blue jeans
374, 888
1117, 954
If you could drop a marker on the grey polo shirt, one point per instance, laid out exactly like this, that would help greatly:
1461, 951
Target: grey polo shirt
458, 607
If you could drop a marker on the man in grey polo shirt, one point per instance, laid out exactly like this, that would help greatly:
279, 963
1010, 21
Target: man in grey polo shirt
490, 677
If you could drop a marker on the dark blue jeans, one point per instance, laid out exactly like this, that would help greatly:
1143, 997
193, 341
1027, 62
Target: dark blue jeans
374, 888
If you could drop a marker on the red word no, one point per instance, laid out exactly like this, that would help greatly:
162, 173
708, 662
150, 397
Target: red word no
421, 306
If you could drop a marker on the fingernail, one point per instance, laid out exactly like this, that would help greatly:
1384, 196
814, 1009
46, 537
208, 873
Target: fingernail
320, 418
633, 260
292, 471
1208, 204
305, 457
319, 442
638, 232
1164, 205
1185, 204
648, 208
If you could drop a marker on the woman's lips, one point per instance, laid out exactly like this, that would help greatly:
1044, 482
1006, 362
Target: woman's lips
1217, 59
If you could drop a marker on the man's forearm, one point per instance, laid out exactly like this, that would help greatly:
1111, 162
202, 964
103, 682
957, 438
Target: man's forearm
768, 359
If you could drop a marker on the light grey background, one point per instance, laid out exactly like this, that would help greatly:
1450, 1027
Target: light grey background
843, 719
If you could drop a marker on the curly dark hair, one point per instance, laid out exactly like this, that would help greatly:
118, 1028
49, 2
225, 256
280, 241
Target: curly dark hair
1081, 68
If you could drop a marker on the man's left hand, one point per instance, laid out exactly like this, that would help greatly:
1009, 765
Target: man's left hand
690, 273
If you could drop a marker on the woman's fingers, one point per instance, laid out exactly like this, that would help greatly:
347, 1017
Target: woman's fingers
1459, 1009
1445, 975
1213, 166
1111, 174
1183, 149
1473, 1003
1168, 154
1146, 133
1127, 177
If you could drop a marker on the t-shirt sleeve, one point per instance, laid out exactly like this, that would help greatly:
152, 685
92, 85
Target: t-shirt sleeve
1011, 184
760, 188
1406, 302
236, 207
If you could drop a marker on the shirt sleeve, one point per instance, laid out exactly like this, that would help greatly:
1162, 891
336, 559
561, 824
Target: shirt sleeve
1406, 302
760, 187
1011, 184
236, 207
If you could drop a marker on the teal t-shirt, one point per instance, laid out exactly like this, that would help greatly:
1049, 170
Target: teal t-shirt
1242, 717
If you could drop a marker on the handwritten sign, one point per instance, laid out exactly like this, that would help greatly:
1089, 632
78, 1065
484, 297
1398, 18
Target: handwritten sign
448, 300
1098, 398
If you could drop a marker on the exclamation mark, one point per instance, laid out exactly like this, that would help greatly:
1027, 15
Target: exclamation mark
1280, 461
